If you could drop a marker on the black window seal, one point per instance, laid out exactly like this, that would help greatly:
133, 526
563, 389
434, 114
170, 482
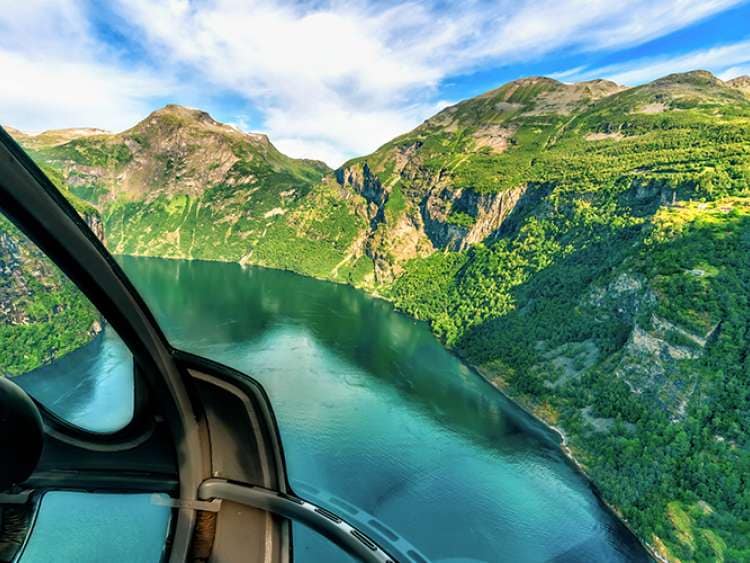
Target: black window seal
141, 421
125, 309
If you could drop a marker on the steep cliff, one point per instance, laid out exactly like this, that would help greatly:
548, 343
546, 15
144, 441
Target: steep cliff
454, 180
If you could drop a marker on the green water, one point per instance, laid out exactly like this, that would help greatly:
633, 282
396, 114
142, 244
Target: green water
381, 423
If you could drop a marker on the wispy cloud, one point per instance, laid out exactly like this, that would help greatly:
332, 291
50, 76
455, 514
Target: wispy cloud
726, 61
735, 71
57, 75
330, 79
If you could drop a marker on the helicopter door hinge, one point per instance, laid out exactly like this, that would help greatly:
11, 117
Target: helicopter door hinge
15, 498
205, 505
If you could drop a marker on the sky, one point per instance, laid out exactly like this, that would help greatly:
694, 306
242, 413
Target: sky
336, 79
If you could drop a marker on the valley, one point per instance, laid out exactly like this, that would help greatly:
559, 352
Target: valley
584, 246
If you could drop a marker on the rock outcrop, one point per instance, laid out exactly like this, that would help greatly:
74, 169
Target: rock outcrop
479, 215
741, 83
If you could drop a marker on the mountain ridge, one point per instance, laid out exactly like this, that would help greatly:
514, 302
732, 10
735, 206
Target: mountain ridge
742, 83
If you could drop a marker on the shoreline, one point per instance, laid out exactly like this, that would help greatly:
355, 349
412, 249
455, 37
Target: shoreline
567, 453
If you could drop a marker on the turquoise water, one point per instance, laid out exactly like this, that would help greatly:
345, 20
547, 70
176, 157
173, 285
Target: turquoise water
374, 412
96, 527
379, 421
91, 387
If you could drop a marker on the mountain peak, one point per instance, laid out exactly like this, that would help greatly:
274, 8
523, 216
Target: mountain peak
694, 87
599, 87
15, 133
174, 150
741, 83
182, 113
528, 86
175, 116
535, 80
693, 77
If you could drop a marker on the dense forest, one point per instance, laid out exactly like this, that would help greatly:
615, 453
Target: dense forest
44, 316
585, 246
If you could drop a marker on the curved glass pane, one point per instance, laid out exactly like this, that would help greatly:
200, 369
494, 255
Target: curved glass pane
93, 527
381, 423
91, 387
56, 345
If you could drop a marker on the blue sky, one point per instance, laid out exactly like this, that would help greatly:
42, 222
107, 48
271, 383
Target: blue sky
331, 80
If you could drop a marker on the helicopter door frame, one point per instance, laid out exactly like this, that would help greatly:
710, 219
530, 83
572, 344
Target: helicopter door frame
37, 208
207, 407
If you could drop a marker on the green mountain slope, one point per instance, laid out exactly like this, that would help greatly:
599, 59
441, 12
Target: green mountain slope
612, 301
182, 185
43, 316
585, 246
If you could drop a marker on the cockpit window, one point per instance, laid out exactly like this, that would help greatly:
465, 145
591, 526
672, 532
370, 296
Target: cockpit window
56, 345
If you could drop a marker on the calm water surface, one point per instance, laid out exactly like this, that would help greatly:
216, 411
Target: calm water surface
380, 422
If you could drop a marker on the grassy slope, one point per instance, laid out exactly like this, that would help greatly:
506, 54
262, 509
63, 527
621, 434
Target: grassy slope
264, 208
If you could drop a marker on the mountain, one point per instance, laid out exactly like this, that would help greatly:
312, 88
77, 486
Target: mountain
583, 245
43, 316
53, 137
741, 83
453, 180
606, 287
180, 184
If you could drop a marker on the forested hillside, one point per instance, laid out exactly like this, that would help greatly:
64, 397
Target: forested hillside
43, 316
182, 185
584, 245
612, 301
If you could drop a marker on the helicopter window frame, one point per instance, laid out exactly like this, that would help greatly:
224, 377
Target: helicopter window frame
140, 425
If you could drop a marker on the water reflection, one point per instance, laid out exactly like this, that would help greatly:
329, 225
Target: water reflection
242, 305
91, 387
372, 410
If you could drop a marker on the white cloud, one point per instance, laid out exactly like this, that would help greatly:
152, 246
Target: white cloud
49, 93
341, 78
302, 130
735, 71
726, 61
334, 78
56, 75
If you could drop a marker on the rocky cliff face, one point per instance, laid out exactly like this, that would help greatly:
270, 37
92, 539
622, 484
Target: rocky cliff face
14, 285
361, 180
455, 219
654, 358
433, 215
95, 223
